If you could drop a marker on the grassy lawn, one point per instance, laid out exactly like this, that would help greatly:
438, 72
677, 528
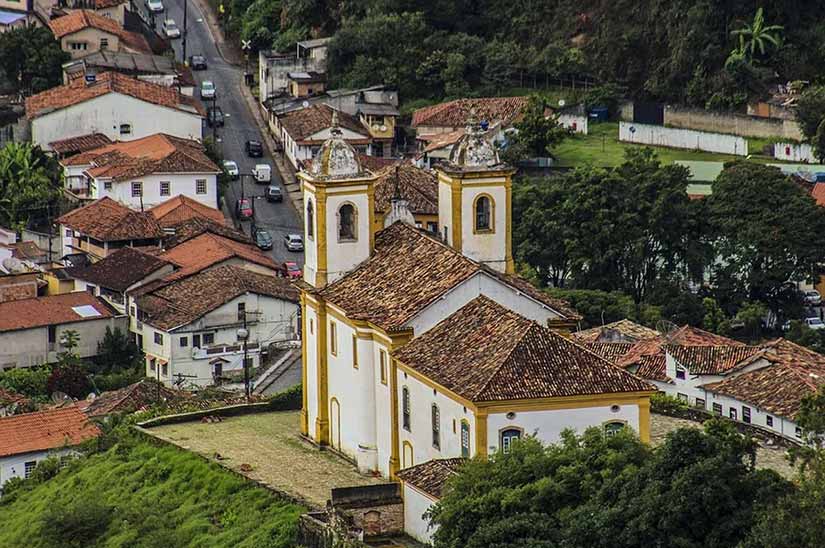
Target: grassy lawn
269, 443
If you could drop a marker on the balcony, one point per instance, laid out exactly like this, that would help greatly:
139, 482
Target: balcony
222, 350
80, 187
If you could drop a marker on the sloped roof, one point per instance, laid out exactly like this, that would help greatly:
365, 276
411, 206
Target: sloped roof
186, 300
8, 397
619, 331
130, 398
182, 208
441, 140
109, 221
455, 113
419, 187
51, 310
78, 91
486, 352
430, 477
77, 20
611, 351
194, 227
209, 249
120, 269
303, 123
818, 193
81, 143
408, 270
713, 360
44, 430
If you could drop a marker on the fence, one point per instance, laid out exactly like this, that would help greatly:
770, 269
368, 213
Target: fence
794, 152
730, 123
682, 138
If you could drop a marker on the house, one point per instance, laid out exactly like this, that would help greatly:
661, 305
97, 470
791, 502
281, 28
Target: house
85, 31
16, 14
180, 209
436, 148
453, 115
63, 148
418, 348
115, 105
144, 172
111, 9
18, 286
27, 439
12, 403
422, 486
189, 329
32, 331
274, 67
156, 69
104, 226
415, 187
306, 84
622, 331
132, 398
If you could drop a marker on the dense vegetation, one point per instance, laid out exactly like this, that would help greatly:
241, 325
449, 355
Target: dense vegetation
30, 60
30, 182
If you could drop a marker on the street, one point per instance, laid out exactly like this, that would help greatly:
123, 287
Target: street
278, 218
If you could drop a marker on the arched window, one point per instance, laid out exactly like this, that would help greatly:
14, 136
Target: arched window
347, 222
310, 220
612, 428
405, 408
465, 439
484, 214
508, 436
436, 415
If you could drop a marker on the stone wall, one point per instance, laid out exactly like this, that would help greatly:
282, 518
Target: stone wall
378, 510
730, 123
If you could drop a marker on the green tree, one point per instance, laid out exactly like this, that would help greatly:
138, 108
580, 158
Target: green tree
756, 38
32, 59
29, 381
810, 111
536, 134
69, 374
818, 142
117, 352
714, 319
29, 185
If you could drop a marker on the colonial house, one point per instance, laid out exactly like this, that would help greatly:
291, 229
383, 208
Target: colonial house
27, 439
16, 14
81, 32
412, 188
104, 226
422, 486
63, 148
111, 9
32, 331
190, 330
156, 69
418, 347
181, 209
144, 172
115, 105
452, 116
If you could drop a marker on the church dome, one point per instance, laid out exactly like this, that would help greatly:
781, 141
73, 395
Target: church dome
474, 150
337, 159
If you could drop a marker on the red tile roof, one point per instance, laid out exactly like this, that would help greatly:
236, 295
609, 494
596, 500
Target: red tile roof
419, 187
81, 143
486, 352
120, 270
109, 221
131, 398
7, 397
818, 192
44, 430
430, 477
158, 153
713, 360
79, 91
455, 113
181, 208
78, 20
210, 249
303, 123
620, 331
50, 310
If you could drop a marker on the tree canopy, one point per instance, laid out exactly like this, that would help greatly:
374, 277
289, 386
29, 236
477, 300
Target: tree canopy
31, 59
30, 183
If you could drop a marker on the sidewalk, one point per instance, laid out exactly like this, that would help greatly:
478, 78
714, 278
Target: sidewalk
230, 53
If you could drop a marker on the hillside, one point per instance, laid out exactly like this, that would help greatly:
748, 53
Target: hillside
141, 495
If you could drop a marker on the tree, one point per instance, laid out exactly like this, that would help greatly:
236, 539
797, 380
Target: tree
810, 111
536, 134
818, 142
714, 319
757, 36
29, 381
29, 185
69, 374
32, 59
117, 352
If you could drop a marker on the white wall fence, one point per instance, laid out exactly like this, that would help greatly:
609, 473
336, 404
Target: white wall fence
631, 132
794, 152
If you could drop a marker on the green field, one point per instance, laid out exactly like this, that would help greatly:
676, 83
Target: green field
143, 495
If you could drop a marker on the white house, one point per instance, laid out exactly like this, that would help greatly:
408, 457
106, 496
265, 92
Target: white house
310, 55
144, 172
32, 331
115, 105
189, 329
27, 439
422, 486
84, 31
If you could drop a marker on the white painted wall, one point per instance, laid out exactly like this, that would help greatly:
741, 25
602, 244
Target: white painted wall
311, 364
14, 466
574, 121
106, 113
485, 247
794, 152
691, 384
383, 409
783, 426
342, 255
632, 132
415, 504
445, 210
310, 242
179, 183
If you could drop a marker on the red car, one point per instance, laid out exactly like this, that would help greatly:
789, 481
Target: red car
243, 208
292, 270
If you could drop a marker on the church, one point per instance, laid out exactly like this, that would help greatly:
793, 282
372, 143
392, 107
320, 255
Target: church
420, 346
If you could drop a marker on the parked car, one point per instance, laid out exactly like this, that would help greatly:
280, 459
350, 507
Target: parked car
214, 116
263, 239
812, 297
208, 89
294, 242
243, 208
155, 6
231, 169
292, 270
197, 62
254, 148
273, 194
815, 323
262, 173
170, 29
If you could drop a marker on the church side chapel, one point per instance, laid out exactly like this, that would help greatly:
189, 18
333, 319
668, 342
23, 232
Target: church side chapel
420, 347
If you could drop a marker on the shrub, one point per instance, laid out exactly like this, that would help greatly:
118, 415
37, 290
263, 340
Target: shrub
666, 405
288, 400
29, 381
71, 379
77, 524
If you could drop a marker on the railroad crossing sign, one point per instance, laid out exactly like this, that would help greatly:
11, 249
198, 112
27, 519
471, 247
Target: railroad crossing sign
246, 45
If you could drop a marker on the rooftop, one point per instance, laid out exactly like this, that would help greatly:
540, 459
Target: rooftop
303, 124
430, 477
456, 113
191, 228
131, 398
713, 360
182, 208
123, 61
209, 249
620, 331
77, 20
79, 306
44, 430
417, 186
121, 269
485, 352
82, 143
109, 221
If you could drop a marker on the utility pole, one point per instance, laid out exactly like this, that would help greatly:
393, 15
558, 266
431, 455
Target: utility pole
243, 335
214, 122
185, 4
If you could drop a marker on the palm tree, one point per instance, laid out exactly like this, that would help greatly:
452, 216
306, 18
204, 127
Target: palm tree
757, 36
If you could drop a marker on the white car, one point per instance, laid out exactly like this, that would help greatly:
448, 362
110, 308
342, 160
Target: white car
155, 6
208, 89
170, 29
812, 297
815, 323
231, 168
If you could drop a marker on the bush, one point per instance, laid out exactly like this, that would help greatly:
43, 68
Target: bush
70, 379
29, 381
115, 381
77, 524
666, 405
288, 400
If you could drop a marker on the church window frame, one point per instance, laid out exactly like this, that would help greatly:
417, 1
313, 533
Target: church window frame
405, 409
436, 426
465, 438
350, 233
484, 214
333, 338
310, 220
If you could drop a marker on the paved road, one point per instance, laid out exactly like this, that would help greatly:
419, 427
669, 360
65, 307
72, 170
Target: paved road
278, 218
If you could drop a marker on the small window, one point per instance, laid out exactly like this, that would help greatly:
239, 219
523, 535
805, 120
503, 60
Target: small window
436, 420
310, 220
196, 341
612, 428
382, 359
165, 188
241, 311
137, 190
311, 327
465, 439
680, 373
484, 216
28, 468
682, 397
125, 129
769, 420
346, 222
104, 43
208, 338
432, 227
405, 408
733, 414
158, 338
508, 437
132, 311
717, 409
333, 338
700, 403
184, 342
798, 432
107, 185
746, 414
200, 186
165, 370
354, 352
52, 334
152, 365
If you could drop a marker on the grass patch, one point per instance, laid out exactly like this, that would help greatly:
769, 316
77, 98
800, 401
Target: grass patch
141, 495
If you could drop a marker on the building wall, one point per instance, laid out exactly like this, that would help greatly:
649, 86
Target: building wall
487, 247
185, 184
311, 366
691, 385
415, 504
794, 152
631, 132
445, 211
106, 113
310, 242
730, 123
575, 122
343, 256
14, 466
783, 426
91, 37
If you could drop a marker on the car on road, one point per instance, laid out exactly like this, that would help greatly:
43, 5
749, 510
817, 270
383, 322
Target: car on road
197, 62
273, 194
294, 242
243, 209
208, 90
263, 239
812, 297
292, 270
214, 117
262, 173
815, 323
254, 148
155, 6
231, 169
170, 29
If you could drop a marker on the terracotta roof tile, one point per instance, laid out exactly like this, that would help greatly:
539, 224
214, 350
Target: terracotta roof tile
181, 208
79, 91
78, 20
109, 221
130, 398
120, 269
620, 331
455, 113
82, 143
303, 123
441, 140
8, 397
186, 300
44, 430
818, 193
611, 351
485, 352
50, 310
373, 163
417, 186
713, 360
430, 477
210, 249
195, 226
